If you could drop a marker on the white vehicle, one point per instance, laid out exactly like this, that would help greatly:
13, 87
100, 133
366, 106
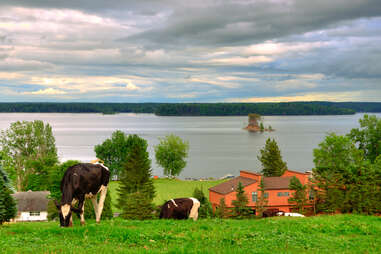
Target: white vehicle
290, 214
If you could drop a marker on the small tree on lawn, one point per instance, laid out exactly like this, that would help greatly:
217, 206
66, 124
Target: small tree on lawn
299, 197
205, 210
271, 159
7, 203
136, 190
222, 211
171, 153
262, 200
139, 205
240, 209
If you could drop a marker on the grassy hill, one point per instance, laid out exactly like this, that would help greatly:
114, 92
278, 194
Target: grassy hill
323, 234
170, 188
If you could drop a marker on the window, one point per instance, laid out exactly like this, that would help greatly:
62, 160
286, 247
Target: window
312, 195
266, 195
254, 196
34, 213
286, 194
280, 194
283, 194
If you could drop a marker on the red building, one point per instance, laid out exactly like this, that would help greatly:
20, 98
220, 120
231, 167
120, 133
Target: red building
276, 189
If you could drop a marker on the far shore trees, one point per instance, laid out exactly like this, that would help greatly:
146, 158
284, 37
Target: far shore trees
171, 153
136, 190
271, 159
28, 153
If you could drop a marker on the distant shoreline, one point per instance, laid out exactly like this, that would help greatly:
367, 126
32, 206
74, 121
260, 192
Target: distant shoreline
197, 109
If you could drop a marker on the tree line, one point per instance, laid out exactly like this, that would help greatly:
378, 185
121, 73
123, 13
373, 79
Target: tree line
197, 109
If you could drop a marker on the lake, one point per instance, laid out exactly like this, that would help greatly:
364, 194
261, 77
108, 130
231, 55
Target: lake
218, 145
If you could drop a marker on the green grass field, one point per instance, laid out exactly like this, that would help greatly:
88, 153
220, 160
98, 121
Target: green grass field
323, 234
169, 188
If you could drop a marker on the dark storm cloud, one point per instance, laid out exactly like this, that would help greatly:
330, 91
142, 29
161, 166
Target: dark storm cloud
229, 23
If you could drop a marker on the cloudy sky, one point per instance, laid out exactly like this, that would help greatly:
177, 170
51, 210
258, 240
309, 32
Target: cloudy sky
190, 51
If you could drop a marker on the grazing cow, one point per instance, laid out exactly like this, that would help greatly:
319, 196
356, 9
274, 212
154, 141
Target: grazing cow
290, 214
180, 208
83, 180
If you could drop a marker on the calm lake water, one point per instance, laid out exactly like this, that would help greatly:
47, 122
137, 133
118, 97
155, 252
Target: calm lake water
218, 145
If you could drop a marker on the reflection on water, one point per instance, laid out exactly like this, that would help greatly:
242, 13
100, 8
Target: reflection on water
218, 145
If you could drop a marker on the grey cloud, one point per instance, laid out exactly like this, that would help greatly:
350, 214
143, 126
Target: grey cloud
234, 24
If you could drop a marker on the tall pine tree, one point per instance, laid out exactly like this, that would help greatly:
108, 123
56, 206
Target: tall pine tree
299, 197
7, 203
240, 209
262, 200
271, 159
222, 211
136, 190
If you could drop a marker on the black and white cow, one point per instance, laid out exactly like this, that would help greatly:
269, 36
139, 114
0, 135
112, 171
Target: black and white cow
83, 180
180, 208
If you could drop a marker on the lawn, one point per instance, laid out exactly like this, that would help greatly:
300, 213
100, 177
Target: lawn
322, 234
169, 188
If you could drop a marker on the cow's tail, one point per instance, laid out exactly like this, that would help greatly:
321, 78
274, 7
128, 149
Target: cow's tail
194, 211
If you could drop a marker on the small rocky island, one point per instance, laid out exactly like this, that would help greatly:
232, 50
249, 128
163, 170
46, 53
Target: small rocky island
256, 125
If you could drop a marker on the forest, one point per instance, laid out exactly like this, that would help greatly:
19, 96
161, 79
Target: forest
196, 109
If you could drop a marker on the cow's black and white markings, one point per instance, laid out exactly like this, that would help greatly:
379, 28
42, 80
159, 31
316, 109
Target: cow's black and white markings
180, 208
83, 180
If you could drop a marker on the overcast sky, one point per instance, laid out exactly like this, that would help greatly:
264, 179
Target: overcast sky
190, 51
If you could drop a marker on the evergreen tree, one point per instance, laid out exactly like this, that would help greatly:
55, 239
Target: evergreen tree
262, 200
271, 159
138, 205
136, 190
205, 210
299, 197
7, 203
222, 211
240, 209
261, 127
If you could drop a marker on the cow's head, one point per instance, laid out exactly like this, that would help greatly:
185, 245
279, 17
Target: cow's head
65, 212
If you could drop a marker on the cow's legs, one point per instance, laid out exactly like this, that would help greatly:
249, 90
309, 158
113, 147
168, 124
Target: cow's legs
194, 211
95, 205
83, 214
102, 198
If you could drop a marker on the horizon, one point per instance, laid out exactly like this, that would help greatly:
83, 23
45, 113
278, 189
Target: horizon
209, 51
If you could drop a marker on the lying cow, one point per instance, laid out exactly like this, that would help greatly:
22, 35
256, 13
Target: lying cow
83, 180
180, 208
290, 214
